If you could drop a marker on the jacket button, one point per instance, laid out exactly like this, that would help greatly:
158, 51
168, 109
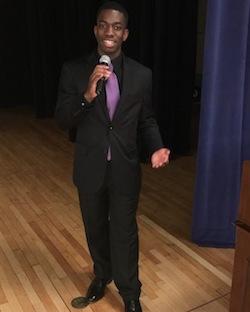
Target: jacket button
110, 127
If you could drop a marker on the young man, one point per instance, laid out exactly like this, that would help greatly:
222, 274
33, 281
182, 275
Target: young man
106, 165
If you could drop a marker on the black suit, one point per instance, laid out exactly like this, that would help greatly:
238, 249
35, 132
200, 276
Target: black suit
109, 191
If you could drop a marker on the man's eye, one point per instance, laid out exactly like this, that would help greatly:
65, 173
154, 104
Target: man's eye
117, 27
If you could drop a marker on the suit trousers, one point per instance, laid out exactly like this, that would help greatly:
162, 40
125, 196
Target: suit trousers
111, 230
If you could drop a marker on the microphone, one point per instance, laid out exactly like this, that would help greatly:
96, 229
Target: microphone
104, 60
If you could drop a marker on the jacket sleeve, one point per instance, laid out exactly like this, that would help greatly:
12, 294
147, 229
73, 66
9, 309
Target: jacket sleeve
149, 134
71, 107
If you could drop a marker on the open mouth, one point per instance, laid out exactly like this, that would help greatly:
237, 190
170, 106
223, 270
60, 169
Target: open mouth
108, 43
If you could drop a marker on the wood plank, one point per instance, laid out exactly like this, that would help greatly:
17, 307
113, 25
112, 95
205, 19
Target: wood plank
219, 305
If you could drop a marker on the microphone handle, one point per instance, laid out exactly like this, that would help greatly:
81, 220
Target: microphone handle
100, 85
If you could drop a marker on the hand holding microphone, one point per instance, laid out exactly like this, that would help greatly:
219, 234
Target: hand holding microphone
104, 60
97, 78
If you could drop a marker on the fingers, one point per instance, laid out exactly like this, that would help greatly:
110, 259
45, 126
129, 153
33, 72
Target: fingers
159, 165
99, 72
156, 166
160, 161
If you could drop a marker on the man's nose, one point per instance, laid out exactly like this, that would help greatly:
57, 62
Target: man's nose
109, 30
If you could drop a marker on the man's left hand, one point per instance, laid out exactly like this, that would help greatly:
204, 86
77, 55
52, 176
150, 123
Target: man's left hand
160, 158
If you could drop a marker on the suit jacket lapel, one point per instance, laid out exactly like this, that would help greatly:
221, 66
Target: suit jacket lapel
125, 85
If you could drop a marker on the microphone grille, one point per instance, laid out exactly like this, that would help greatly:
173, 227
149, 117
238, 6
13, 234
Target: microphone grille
105, 59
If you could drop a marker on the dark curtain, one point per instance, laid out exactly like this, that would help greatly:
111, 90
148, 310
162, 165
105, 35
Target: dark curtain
162, 36
15, 79
224, 140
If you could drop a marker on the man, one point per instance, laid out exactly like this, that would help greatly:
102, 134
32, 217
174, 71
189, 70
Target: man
106, 165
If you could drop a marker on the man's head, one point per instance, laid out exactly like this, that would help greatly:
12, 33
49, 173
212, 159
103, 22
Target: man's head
111, 28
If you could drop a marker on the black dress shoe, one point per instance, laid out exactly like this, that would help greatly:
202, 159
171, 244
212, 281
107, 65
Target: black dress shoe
96, 289
95, 292
133, 306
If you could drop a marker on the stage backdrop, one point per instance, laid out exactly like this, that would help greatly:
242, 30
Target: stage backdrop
224, 139
38, 36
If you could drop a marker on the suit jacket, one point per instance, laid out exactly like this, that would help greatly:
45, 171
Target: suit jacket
133, 122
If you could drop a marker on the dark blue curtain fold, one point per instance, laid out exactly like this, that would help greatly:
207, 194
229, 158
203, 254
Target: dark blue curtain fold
224, 122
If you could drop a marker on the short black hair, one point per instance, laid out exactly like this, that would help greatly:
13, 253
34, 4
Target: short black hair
113, 5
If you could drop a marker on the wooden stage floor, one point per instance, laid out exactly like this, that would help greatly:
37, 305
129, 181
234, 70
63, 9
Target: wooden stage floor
44, 259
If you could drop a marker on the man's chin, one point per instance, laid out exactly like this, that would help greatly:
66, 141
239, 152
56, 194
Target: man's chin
109, 50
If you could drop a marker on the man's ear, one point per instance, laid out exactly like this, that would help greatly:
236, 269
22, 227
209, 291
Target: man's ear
125, 34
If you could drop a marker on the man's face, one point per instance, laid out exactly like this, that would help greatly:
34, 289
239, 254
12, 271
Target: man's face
110, 32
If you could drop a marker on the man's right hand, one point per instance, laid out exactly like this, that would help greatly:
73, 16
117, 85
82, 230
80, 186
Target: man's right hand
99, 72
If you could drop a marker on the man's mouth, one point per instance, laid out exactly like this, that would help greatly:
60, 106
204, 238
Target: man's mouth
108, 43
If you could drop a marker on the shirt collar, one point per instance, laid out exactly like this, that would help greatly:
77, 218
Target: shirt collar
117, 63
